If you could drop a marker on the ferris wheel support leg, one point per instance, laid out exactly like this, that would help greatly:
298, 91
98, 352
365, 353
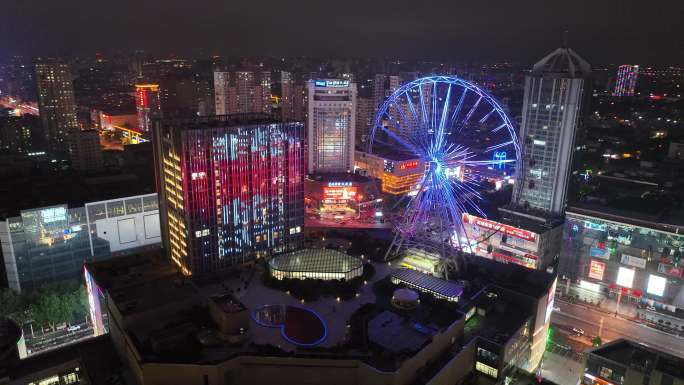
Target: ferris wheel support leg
397, 241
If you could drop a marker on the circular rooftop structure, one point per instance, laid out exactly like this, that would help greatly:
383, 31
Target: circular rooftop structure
405, 298
322, 264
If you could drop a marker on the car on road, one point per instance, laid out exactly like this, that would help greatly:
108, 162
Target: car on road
578, 331
74, 328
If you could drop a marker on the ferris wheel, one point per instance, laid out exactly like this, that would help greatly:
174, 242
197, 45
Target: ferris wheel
458, 133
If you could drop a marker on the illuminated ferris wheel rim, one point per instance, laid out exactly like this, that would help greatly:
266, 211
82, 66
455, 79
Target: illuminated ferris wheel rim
450, 80
444, 121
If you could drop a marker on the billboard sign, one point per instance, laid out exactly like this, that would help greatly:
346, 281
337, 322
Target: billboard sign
338, 194
633, 261
656, 285
596, 270
625, 277
508, 230
671, 270
599, 252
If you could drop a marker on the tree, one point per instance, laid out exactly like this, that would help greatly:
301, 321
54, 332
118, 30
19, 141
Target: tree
51, 309
10, 302
596, 341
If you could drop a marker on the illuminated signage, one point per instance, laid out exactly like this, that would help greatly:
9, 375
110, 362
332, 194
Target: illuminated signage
625, 277
633, 261
331, 83
656, 285
339, 184
671, 270
551, 298
596, 270
591, 286
409, 165
599, 252
333, 194
491, 225
53, 214
594, 226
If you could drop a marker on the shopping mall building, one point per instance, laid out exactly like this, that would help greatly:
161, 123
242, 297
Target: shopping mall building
608, 253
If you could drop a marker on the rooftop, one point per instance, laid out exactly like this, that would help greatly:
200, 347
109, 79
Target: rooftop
442, 287
201, 122
640, 357
562, 61
397, 334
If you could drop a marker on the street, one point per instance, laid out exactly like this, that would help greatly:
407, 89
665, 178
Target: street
615, 327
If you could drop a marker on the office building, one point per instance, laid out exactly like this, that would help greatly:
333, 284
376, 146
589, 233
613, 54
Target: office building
84, 150
383, 87
626, 79
148, 106
365, 113
625, 362
398, 173
224, 94
293, 98
51, 244
528, 232
231, 189
331, 126
56, 101
553, 105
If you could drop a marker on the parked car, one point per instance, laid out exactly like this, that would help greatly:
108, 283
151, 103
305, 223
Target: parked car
73, 328
578, 331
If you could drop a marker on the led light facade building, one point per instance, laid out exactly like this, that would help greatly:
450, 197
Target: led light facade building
56, 101
331, 126
553, 105
148, 105
626, 80
231, 189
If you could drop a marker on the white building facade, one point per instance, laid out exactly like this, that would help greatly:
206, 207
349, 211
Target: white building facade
331, 126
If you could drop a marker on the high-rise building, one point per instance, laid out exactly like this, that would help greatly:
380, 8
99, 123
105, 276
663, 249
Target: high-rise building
231, 189
84, 150
626, 80
148, 105
365, 112
529, 231
331, 126
224, 94
242, 92
287, 96
553, 105
56, 101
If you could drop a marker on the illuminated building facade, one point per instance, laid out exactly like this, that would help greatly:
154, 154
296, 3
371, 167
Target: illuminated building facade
397, 174
626, 80
552, 108
231, 189
331, 126
51, 244
606, 253
508, 243
342, 196
148, 106
56, 101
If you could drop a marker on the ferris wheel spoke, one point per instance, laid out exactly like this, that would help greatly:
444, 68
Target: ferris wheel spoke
484, 118
498, 146
457, 110
497, 128
439, 137
486, 162
404, 142
469, 114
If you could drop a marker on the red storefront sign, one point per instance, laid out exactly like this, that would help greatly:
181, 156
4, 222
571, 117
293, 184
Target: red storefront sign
491, 225
596, 270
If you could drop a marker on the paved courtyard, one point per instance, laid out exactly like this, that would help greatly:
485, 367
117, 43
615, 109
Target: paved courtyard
334, 313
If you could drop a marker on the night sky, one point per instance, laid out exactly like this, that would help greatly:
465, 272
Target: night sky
603, 31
